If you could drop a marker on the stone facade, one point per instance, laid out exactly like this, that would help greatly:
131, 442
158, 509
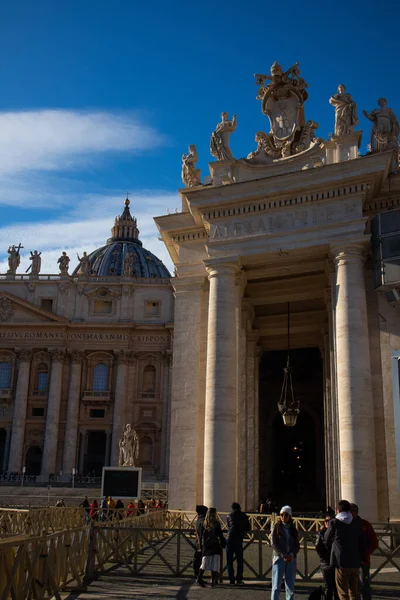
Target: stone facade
82, 355
290, 224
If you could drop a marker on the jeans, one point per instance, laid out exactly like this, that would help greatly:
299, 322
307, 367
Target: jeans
282, 569
234, 548
365, 583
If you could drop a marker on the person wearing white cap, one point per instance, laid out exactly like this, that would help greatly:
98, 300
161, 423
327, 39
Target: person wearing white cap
285, 544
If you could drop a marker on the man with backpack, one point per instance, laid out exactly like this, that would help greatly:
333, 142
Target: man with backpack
238, 524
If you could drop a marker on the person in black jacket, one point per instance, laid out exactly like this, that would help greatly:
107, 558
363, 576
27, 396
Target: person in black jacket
328, 572
238, 523
347, 544
212, 542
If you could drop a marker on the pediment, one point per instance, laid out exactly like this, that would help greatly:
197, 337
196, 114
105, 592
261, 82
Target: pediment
16, 310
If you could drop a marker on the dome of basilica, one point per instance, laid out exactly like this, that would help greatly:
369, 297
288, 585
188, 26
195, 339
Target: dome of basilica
124, 253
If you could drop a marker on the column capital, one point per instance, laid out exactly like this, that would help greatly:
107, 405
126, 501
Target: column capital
124, 357
57, 354
188, 284
24, 355
345, 251
227, 265
76, 356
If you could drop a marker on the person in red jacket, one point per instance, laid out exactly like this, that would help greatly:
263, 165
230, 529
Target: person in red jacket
372, 544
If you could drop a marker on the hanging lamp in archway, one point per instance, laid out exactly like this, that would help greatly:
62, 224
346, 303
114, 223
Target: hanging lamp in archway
288, 406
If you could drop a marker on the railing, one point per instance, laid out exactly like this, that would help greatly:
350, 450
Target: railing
168, 550
39, 567
33, 521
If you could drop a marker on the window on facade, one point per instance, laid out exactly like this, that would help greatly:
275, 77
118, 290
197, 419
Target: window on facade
146, 451
152, 308
149, 381
97, 413
46, 303
42, 375
38, 411
102, 307
5, 375
100, 378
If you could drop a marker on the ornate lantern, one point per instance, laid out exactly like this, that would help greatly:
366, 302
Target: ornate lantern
288, 406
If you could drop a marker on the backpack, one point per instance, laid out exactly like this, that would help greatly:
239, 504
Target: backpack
210, 539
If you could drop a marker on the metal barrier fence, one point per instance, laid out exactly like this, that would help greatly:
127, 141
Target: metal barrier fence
156, 543
33, 521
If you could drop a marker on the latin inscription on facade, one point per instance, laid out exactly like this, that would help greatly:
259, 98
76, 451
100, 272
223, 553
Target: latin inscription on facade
285, 220
83, 336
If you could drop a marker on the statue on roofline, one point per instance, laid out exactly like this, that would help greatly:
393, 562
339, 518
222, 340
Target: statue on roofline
84, 265
219, 143
190, 174
14, 259
385, 129
345, 111
64, 261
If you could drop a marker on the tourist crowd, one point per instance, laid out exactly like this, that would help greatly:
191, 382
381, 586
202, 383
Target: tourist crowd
344, 544
109, 509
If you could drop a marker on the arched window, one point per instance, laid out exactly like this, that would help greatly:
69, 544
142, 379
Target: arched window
146, 451
149, 380
5, 375
100, 378
42, 377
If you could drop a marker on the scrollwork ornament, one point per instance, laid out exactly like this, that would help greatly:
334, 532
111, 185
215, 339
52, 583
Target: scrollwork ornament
124, 357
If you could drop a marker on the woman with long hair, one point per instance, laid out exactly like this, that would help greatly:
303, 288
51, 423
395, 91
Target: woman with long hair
212, 543
285, 544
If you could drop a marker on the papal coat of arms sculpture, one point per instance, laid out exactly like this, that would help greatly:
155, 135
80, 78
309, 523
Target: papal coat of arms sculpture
291, 143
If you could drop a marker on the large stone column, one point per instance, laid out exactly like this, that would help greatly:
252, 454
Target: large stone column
19, 414
220, 429
183, 490
165, 414
354, 392
119, 404
53, 412
71, 430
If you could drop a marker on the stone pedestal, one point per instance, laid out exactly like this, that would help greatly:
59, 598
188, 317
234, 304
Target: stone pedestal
71, 430
220, 429
19, 415
53, 413
354, 392
343, 147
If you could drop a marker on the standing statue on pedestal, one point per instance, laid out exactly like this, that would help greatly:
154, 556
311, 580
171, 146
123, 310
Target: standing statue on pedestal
385, 130
219, 144
190, 175
84, 267
345, 111
63, 261
128, 447
34, 267
14, 259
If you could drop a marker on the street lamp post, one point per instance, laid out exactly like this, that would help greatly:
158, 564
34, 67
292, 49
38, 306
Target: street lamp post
288, 406
23, 476
73, 477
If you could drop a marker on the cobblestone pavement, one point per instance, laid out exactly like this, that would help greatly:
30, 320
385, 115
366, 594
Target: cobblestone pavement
118, 584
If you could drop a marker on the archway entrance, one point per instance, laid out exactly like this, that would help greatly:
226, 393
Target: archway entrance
292, 469
94, 459
33, 460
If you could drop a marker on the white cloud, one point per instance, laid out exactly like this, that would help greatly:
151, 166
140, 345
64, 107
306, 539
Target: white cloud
82, 233
58, 139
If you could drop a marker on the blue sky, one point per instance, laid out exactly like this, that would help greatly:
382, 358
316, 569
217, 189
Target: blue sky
100, 97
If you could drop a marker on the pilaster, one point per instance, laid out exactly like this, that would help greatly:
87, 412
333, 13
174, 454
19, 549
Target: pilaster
53, 412
71, 430
19, 414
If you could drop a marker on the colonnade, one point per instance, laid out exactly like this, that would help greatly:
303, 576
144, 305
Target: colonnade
220, 459
75, 430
